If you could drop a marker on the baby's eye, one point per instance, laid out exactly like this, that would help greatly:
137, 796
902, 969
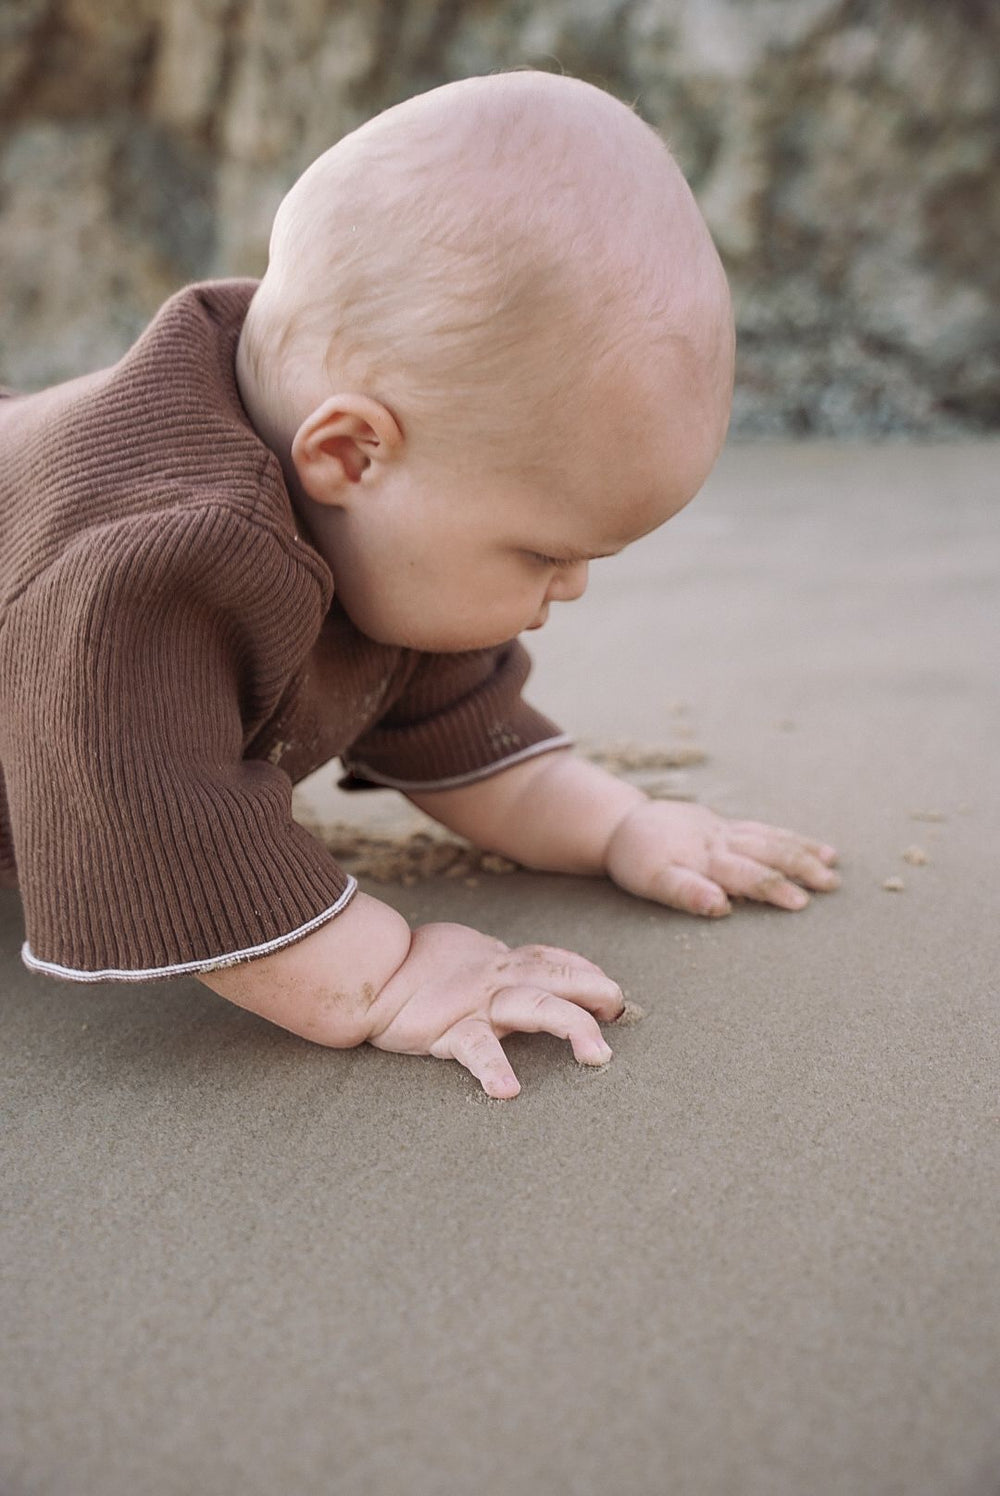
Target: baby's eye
550, 560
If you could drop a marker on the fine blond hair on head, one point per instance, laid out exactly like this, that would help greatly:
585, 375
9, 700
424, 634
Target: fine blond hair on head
469, 252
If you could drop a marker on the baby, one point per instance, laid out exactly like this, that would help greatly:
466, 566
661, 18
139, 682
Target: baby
309, 517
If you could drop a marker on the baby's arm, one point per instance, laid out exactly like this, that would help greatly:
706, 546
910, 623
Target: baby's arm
323, 986
442, 989
558, 813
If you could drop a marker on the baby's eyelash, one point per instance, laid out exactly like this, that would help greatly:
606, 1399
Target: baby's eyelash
552, 560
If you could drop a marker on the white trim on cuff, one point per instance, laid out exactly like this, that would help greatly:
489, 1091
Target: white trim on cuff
212, 963
362, 770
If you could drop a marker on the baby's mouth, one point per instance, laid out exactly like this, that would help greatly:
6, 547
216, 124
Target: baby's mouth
539, 620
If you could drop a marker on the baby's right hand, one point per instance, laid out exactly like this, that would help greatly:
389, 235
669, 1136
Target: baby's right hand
458, 993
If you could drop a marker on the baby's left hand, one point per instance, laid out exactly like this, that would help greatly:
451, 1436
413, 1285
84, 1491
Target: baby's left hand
689, 858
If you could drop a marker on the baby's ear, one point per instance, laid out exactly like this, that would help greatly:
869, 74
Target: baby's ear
337, 443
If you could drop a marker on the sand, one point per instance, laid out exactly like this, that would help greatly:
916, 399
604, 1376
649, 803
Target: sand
631, 1013
753, 1255
407, 858
429, 851
621, 757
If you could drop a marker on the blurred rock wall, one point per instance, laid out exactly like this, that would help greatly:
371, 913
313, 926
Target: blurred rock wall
845, 153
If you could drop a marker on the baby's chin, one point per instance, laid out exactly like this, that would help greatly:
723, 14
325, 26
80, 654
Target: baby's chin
434, 631
431, 638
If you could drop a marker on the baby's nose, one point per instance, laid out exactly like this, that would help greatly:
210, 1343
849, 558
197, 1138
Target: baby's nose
569, 582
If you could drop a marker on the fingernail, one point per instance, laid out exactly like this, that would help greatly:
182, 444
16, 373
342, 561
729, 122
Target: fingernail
603, 1054
798, 900
502, 1089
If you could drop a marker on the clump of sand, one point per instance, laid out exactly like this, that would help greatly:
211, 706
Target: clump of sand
622, 757
916, 857
631, 1013
408, 859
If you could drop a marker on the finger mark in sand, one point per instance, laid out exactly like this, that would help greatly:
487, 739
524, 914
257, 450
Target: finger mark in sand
893, 885
631, 1013
916, 857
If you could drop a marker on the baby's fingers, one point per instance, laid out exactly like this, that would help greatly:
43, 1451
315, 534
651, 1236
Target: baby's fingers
569, 960
474, 1044
753, 880
531, 1010
786, 852
565, 974
681, 888
767, 835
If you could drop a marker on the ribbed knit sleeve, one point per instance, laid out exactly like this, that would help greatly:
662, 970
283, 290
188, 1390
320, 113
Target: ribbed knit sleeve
458, 717
133, 671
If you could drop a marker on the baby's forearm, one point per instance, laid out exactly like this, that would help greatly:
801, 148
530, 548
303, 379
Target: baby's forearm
322, 986
556, 812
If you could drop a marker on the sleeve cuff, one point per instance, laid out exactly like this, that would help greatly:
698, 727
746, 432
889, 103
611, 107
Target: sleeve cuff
184, 968
363, 776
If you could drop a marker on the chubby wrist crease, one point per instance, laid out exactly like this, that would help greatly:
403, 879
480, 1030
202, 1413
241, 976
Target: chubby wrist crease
376, 1019
620, 823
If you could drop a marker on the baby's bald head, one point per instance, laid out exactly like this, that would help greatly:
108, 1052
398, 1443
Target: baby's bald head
472, 255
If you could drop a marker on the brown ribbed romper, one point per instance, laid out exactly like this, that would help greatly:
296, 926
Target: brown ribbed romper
173, 660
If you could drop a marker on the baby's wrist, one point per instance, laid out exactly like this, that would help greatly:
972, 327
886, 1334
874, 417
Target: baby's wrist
373, 944
619, 832
324, 986
576, 810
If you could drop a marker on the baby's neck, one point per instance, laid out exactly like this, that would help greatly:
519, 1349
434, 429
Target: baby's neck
269, 424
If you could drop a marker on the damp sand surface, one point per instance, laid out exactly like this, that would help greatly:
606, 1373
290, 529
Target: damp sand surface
756, 1253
